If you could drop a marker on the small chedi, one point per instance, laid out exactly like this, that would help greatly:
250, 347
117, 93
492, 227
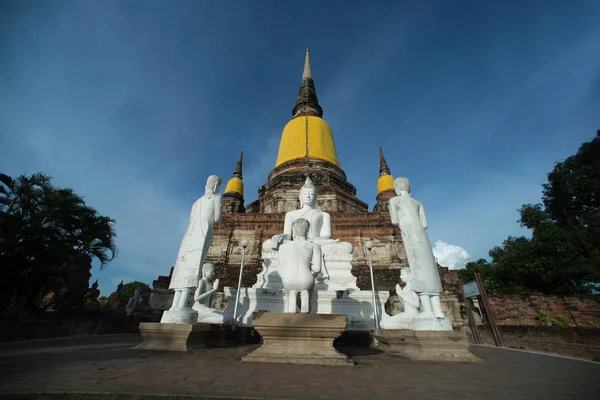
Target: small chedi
206, 212
298, 259
203, 297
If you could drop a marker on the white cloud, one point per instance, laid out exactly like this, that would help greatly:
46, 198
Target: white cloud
450, 255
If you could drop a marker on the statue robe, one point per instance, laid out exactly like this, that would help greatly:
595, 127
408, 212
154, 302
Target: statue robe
206, 212
409, 215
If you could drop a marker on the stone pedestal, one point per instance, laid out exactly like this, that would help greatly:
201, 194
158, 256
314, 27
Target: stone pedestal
183, 337
299, 339
356, 304
428, 345
424, 322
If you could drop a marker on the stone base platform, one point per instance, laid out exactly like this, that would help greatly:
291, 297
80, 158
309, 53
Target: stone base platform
184, 337
356, 304
428, 345
299, 339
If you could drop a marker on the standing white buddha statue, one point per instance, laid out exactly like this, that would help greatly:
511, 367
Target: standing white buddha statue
206, 212
409, 215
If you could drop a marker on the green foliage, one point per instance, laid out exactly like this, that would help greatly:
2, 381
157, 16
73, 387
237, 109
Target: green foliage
562, 321
542, 318
520, 323
48, 238
593, 324
563, 254
488, 277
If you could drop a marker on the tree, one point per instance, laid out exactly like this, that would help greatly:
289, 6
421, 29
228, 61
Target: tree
563, 254
48, 238
487, 273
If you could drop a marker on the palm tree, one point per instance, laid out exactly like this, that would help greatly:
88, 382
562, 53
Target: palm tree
47, 234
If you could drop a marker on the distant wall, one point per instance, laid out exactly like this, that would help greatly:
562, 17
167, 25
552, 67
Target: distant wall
574, 342
513, 309
49, 327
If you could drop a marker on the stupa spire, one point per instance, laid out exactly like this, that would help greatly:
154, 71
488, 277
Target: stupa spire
307, 102
383, 167
307, 71
237, 173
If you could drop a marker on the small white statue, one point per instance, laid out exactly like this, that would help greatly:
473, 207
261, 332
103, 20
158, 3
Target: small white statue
320, 225
410, 301
203, 297
206, 212
409, 215
298, 260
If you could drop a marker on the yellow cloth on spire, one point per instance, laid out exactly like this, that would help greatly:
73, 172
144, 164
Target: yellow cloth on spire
235, 185
385, 182
320, 140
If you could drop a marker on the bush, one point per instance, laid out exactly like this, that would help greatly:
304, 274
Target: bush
542, 318
561, 320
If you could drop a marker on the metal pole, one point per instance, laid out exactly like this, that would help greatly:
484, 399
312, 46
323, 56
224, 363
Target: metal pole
239, 286
375, 308
488, 311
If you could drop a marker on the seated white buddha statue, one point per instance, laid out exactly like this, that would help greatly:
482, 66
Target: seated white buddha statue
320, 225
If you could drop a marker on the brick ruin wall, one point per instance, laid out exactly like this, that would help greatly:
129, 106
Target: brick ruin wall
521, 309
574, 342
357, 228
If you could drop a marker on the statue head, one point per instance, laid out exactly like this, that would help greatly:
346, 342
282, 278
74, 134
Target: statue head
213, 184
300, 227
208, 270
95, 285
401, 184
405, 275
138, 291
308, 193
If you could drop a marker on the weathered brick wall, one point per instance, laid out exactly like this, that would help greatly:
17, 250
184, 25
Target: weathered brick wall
357, 228
575, 342
57, 327
514, 309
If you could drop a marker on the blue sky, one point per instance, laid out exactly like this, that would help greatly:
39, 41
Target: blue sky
134, 103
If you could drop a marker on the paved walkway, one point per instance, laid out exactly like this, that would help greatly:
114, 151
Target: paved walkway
109, 364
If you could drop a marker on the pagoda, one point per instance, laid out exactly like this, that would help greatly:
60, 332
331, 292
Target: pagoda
307, 148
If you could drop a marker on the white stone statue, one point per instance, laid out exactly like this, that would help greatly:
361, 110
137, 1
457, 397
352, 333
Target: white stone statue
203, 297
410, 301
409, 215
206, 212
298, 259
320, 225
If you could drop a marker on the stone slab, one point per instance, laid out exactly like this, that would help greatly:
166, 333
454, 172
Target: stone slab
183, 337
299, 339
428, 345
